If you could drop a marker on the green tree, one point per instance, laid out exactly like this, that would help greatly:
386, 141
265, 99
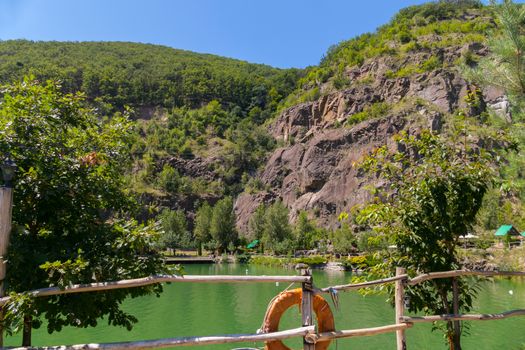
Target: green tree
68, 208
175, 230
169, 179
257, 223
438, 190
222, 226
305, 232
344, 239
277, 228
505, 66
202, 223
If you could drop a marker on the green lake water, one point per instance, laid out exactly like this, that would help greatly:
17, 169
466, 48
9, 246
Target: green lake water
192, 309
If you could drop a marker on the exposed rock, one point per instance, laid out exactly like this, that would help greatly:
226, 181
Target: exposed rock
334, 266
195, 167
317, 171
502, 108
320, 174
478, 265
444, 89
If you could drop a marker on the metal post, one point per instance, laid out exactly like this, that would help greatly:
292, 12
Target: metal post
400, 308
307, 307
6, 204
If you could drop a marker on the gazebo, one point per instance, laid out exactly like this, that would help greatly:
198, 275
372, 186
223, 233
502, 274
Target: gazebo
507, 230
508, 233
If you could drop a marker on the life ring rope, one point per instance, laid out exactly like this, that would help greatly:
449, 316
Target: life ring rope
261, 330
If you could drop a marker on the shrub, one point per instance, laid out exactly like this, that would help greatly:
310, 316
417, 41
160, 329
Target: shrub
361, 262
311, 260
268, 260
376, 110
404, 37
432, 63
169, 179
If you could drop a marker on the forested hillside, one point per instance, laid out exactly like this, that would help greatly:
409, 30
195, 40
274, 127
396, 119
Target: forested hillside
188, 107
285, 143
135, 74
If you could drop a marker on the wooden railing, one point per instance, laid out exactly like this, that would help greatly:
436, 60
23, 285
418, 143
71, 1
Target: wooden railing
307, 331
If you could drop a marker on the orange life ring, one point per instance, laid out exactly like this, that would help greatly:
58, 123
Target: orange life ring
285, 300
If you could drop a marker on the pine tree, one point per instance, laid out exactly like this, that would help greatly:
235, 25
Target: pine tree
505, 66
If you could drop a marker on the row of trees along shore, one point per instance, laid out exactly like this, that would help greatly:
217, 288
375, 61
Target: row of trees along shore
73, 214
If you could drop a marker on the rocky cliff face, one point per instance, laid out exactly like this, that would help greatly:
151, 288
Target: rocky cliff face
317, 170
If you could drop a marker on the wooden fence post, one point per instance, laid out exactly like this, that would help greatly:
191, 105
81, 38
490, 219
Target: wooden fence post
400, 308
6, 203
457, 328
307, 307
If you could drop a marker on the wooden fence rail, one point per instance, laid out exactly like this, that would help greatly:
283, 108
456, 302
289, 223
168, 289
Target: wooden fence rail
460, 273
367, 284
468, 317
187, 341
141, 282
420, 279
363, 332
307, 332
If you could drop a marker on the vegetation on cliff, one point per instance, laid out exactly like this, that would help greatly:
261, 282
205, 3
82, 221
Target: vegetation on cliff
437, 24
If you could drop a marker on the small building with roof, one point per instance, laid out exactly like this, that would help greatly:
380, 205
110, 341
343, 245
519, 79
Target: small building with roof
510, 235
507, 230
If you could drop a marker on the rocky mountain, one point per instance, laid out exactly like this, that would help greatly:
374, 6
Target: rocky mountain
324, 139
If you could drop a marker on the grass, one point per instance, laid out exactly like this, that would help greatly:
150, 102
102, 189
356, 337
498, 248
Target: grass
429, 65
266, 260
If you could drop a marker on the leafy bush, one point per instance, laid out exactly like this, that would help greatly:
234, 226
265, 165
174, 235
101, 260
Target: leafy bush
169, 179
356, 262
437, 10
243, 258
404, 37
430, 64
361, 262
376, 110
268, 260
311, 260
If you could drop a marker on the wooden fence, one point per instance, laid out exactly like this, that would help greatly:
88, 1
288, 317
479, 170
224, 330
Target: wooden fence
307, 330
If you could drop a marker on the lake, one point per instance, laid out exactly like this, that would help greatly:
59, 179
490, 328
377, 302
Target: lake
191, 309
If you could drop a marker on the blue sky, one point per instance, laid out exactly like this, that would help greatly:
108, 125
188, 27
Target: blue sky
282, 33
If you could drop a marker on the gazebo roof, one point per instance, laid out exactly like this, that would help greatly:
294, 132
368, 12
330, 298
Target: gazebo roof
503, 230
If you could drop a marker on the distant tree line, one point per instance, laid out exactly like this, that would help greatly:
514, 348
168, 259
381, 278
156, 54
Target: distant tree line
119, 74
